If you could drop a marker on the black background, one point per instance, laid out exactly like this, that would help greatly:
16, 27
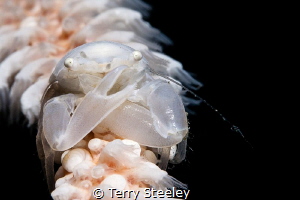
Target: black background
224, 46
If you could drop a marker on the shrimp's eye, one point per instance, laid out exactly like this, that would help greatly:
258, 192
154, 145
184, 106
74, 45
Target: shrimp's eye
137, 55
69, 62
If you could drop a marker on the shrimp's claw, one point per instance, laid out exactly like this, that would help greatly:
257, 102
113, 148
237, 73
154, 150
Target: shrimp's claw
167, 110
71, 127
154, 118
55, 126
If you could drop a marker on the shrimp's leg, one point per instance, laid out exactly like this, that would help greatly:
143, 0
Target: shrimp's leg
180, 152
164, 157
45, 153
48, 163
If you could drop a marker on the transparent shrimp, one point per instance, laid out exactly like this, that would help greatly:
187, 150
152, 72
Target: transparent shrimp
116, 75
122, 99
110, 113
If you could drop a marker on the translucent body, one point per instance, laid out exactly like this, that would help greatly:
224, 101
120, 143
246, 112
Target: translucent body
152, 105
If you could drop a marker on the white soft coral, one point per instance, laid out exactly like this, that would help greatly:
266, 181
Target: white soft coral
119, 164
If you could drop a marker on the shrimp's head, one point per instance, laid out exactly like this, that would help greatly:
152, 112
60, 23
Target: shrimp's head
92, 62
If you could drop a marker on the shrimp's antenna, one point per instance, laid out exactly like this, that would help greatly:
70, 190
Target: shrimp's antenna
232, 126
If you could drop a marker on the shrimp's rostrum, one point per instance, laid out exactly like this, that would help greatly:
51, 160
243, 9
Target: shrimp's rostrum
108, 103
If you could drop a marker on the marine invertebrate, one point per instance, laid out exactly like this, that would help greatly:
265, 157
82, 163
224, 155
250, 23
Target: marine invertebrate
126, 101
99, 95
